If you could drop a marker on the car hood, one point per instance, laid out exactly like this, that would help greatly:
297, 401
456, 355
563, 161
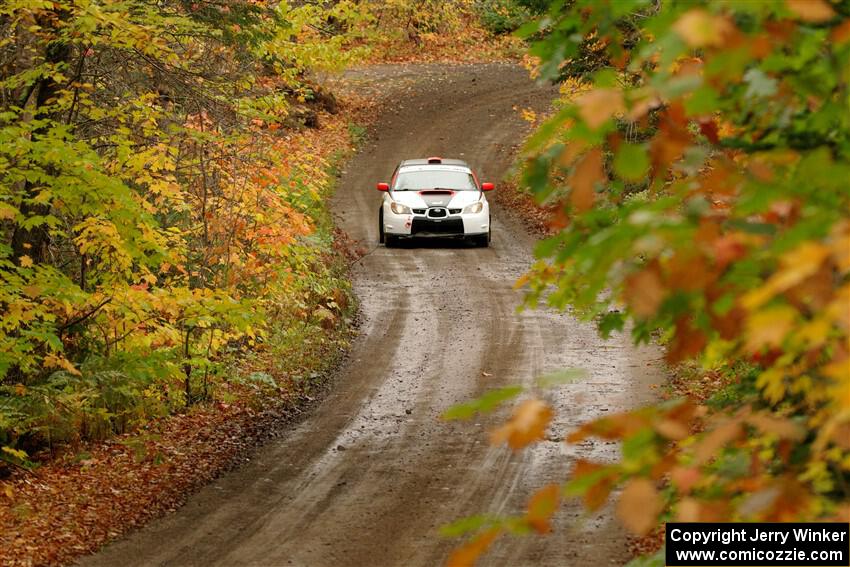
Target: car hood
440, 198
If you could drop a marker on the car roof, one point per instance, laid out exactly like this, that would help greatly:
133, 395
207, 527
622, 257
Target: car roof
432, 161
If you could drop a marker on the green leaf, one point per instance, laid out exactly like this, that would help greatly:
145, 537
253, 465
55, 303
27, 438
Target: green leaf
631, 162
485, 403
561, 377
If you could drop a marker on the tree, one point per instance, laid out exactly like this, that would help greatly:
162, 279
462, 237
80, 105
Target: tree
701, 190
153, 207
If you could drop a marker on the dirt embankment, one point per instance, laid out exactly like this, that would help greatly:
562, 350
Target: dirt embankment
369, 477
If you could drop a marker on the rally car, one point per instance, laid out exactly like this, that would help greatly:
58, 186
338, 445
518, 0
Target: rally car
434, 197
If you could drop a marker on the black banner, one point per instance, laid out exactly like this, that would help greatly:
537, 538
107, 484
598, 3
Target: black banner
758, 545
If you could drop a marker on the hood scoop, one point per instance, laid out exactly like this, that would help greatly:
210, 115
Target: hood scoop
437, 197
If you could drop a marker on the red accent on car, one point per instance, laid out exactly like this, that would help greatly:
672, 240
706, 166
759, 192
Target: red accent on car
383, 187
435, 159
487, 186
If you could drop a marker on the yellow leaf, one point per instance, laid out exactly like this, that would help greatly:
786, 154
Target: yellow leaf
59, 361
811, 10
768, 328
688, 510
7, 212
814, 333
639, 506
527, 424
772, 381
840, 241
597, 106
796, 265
25, 261
699, 28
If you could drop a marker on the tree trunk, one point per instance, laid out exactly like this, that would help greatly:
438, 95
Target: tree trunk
33, 241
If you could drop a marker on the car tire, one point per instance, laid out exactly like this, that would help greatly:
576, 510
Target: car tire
482, 240
390, 241
381, 236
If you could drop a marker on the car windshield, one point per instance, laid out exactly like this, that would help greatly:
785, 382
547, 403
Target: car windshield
435, 179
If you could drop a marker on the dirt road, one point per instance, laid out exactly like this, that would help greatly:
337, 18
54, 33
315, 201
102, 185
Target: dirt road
371, 474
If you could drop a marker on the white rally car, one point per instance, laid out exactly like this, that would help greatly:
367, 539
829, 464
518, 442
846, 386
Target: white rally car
434, 197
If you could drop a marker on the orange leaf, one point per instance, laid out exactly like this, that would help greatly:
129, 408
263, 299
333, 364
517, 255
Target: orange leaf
772, 425
684, 478
688, 341
672, 139
699, 28
811, 10
468, 554
841, 33
527, 424
597, 106
645, 292
639, 506
584, 178
617, 426
597, 495
542, 506
671, 429
715, 440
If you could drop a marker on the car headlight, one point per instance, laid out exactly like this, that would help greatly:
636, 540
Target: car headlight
474, 207
399, 209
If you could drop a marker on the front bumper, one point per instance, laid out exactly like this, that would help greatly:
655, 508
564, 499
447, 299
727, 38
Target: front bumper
420, 225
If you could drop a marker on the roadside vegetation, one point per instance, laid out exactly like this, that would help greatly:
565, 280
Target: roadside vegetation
171, 281
695, 182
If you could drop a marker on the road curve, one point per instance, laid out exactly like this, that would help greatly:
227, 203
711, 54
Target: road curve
372, 473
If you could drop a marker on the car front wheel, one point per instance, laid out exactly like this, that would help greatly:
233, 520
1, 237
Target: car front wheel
482, 240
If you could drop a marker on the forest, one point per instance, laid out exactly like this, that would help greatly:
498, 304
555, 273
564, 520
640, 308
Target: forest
170, 261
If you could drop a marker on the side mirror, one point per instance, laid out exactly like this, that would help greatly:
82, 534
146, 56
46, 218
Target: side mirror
383, 186
487, 186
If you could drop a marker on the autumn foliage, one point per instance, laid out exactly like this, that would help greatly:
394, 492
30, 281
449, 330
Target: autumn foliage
699, 180
162, 198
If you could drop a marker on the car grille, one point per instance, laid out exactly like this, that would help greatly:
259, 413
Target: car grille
437, 226
424, 211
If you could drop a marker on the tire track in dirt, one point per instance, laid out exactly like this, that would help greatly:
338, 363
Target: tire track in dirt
370, 475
